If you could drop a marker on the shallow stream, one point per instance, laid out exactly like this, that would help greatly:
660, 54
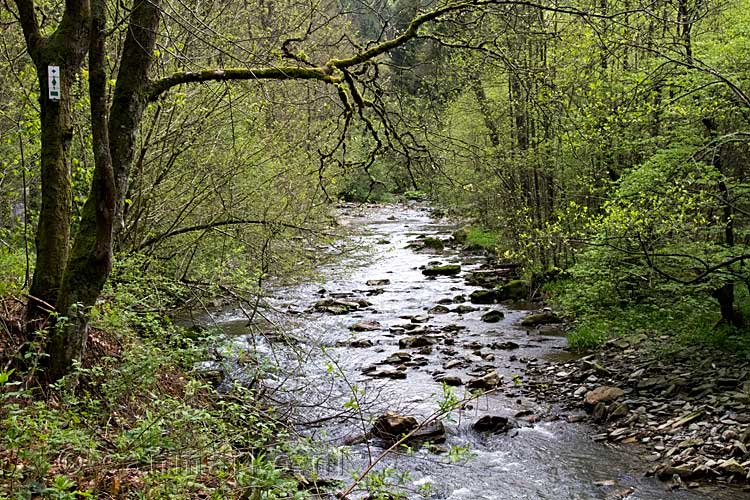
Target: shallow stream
545, 458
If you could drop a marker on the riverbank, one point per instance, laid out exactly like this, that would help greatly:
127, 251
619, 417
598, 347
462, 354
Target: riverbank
686, 410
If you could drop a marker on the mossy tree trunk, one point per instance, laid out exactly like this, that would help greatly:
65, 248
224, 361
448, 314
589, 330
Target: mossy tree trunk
65, 48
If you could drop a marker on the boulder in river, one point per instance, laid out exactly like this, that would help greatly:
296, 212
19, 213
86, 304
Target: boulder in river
451, 380
365, 326
392, 425
544, 318
414, 341
486, 382
444, 270
439, 309
432, 243
380, 282
493, 316
513, 290
376, 372
494, 423
483, 297
463, 309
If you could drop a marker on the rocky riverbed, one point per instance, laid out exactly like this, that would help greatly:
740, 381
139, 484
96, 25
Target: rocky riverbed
402, 335
690, 410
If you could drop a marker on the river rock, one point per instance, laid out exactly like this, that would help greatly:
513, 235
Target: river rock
414, 341
463, 309
513, 290
444, 270
392, 425
618, 410
493, 316
544, 318
432, 243
380, 282
451, 380
494, 423
385, 373
486, 382
483, 297
357, 343
365, 326
602, 394
505, 346
336, 306
397, 358
731, 466
439, 309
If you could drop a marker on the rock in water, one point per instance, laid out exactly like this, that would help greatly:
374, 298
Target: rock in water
544, 318
602, 394
439, 309
494, 423
445, 270
392, 425
493, 316
382, 282
483, 297
513, 290
365, 326
485, 383
450, 380
414, 341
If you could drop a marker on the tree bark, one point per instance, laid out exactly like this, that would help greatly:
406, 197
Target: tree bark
66, 48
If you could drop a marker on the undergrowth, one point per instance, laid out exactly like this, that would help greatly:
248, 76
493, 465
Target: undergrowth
135, 421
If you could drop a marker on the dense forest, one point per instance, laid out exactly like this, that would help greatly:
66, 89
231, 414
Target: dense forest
191, 154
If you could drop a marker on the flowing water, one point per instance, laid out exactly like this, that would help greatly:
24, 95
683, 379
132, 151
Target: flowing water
548, 459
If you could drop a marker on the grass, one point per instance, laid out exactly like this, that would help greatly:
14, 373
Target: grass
482, 238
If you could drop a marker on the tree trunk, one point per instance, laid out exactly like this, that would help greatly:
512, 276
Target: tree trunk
90, 260
65, 48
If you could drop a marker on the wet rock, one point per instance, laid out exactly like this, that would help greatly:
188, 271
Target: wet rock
380, 282
445, 301
544, 318
419, 318
451, 380
397, 358
513, 290
603, 394
357, 343
337, 306
599, 413
365, 326
486, 382
392, 425
454, 363
505, 346
414, 341
439, 309
493, 316
432, 243
385, 373
463, 309
444, 270
494, 423
483, 297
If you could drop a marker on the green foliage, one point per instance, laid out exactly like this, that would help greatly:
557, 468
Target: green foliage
484, 239
134, 423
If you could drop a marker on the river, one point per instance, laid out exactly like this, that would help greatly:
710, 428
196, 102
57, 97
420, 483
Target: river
546, 457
